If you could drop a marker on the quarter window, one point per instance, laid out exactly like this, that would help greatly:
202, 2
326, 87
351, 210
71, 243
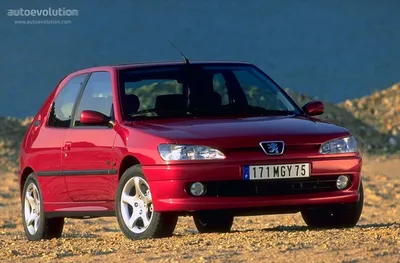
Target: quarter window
61, 108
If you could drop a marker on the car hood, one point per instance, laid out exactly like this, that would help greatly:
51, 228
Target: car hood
242, 132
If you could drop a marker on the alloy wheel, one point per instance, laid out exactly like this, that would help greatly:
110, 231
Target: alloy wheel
136, 205
32, 209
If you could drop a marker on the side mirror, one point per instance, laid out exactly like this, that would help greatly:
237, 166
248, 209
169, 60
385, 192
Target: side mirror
314, 108
91, 117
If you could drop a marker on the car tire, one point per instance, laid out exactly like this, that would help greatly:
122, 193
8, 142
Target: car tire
134, 208
36, 225
213, 222
338, 216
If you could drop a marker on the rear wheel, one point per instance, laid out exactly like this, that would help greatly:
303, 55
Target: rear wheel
134, 208
36, 226
338, 216
213, 222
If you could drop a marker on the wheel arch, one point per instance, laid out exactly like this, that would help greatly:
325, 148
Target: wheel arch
24, 175
127, 161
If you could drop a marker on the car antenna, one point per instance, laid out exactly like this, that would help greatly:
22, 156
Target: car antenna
183, 56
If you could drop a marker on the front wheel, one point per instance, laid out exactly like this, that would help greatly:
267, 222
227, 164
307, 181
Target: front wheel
338, 216
213, 222
134, 208
36, 226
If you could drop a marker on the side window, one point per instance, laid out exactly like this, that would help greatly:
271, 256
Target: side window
61, 108
97, 96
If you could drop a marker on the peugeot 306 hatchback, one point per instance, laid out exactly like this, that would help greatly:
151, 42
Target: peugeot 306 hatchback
213, 140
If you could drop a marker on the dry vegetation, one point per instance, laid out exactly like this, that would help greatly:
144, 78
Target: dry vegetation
276, 238
12, 131
371, 139
380, 110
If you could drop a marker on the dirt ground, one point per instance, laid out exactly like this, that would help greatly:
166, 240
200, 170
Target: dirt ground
282, 238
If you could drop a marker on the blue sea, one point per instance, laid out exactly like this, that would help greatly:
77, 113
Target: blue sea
334, 50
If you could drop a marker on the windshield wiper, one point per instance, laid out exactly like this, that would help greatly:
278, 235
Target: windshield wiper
159, 112
254, 110
277, 112
220, 111
264, 111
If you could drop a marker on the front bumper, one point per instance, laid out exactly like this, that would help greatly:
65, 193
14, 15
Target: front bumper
169, 183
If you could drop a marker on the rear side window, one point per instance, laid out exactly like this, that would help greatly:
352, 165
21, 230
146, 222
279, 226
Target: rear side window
97, 96
61, 108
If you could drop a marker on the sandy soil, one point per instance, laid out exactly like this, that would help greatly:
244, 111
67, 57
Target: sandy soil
273, 238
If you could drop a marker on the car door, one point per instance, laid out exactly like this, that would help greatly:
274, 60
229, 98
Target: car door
48, 142
88, 164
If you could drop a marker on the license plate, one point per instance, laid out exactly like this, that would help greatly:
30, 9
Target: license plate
281, 171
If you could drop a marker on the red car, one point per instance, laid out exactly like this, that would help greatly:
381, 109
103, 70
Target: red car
150, 142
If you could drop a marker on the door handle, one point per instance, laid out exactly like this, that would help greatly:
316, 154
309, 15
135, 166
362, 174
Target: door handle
67, 146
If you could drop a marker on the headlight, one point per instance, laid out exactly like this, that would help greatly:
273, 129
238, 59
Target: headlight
170, 152
342, 145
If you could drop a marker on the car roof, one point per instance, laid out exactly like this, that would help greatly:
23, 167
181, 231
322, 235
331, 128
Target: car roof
164, 63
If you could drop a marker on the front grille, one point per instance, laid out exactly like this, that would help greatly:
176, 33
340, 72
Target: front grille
312, 148
236, 188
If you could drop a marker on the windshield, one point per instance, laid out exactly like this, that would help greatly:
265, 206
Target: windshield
201, 91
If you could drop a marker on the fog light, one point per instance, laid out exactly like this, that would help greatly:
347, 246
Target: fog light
342, 182
197, 189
